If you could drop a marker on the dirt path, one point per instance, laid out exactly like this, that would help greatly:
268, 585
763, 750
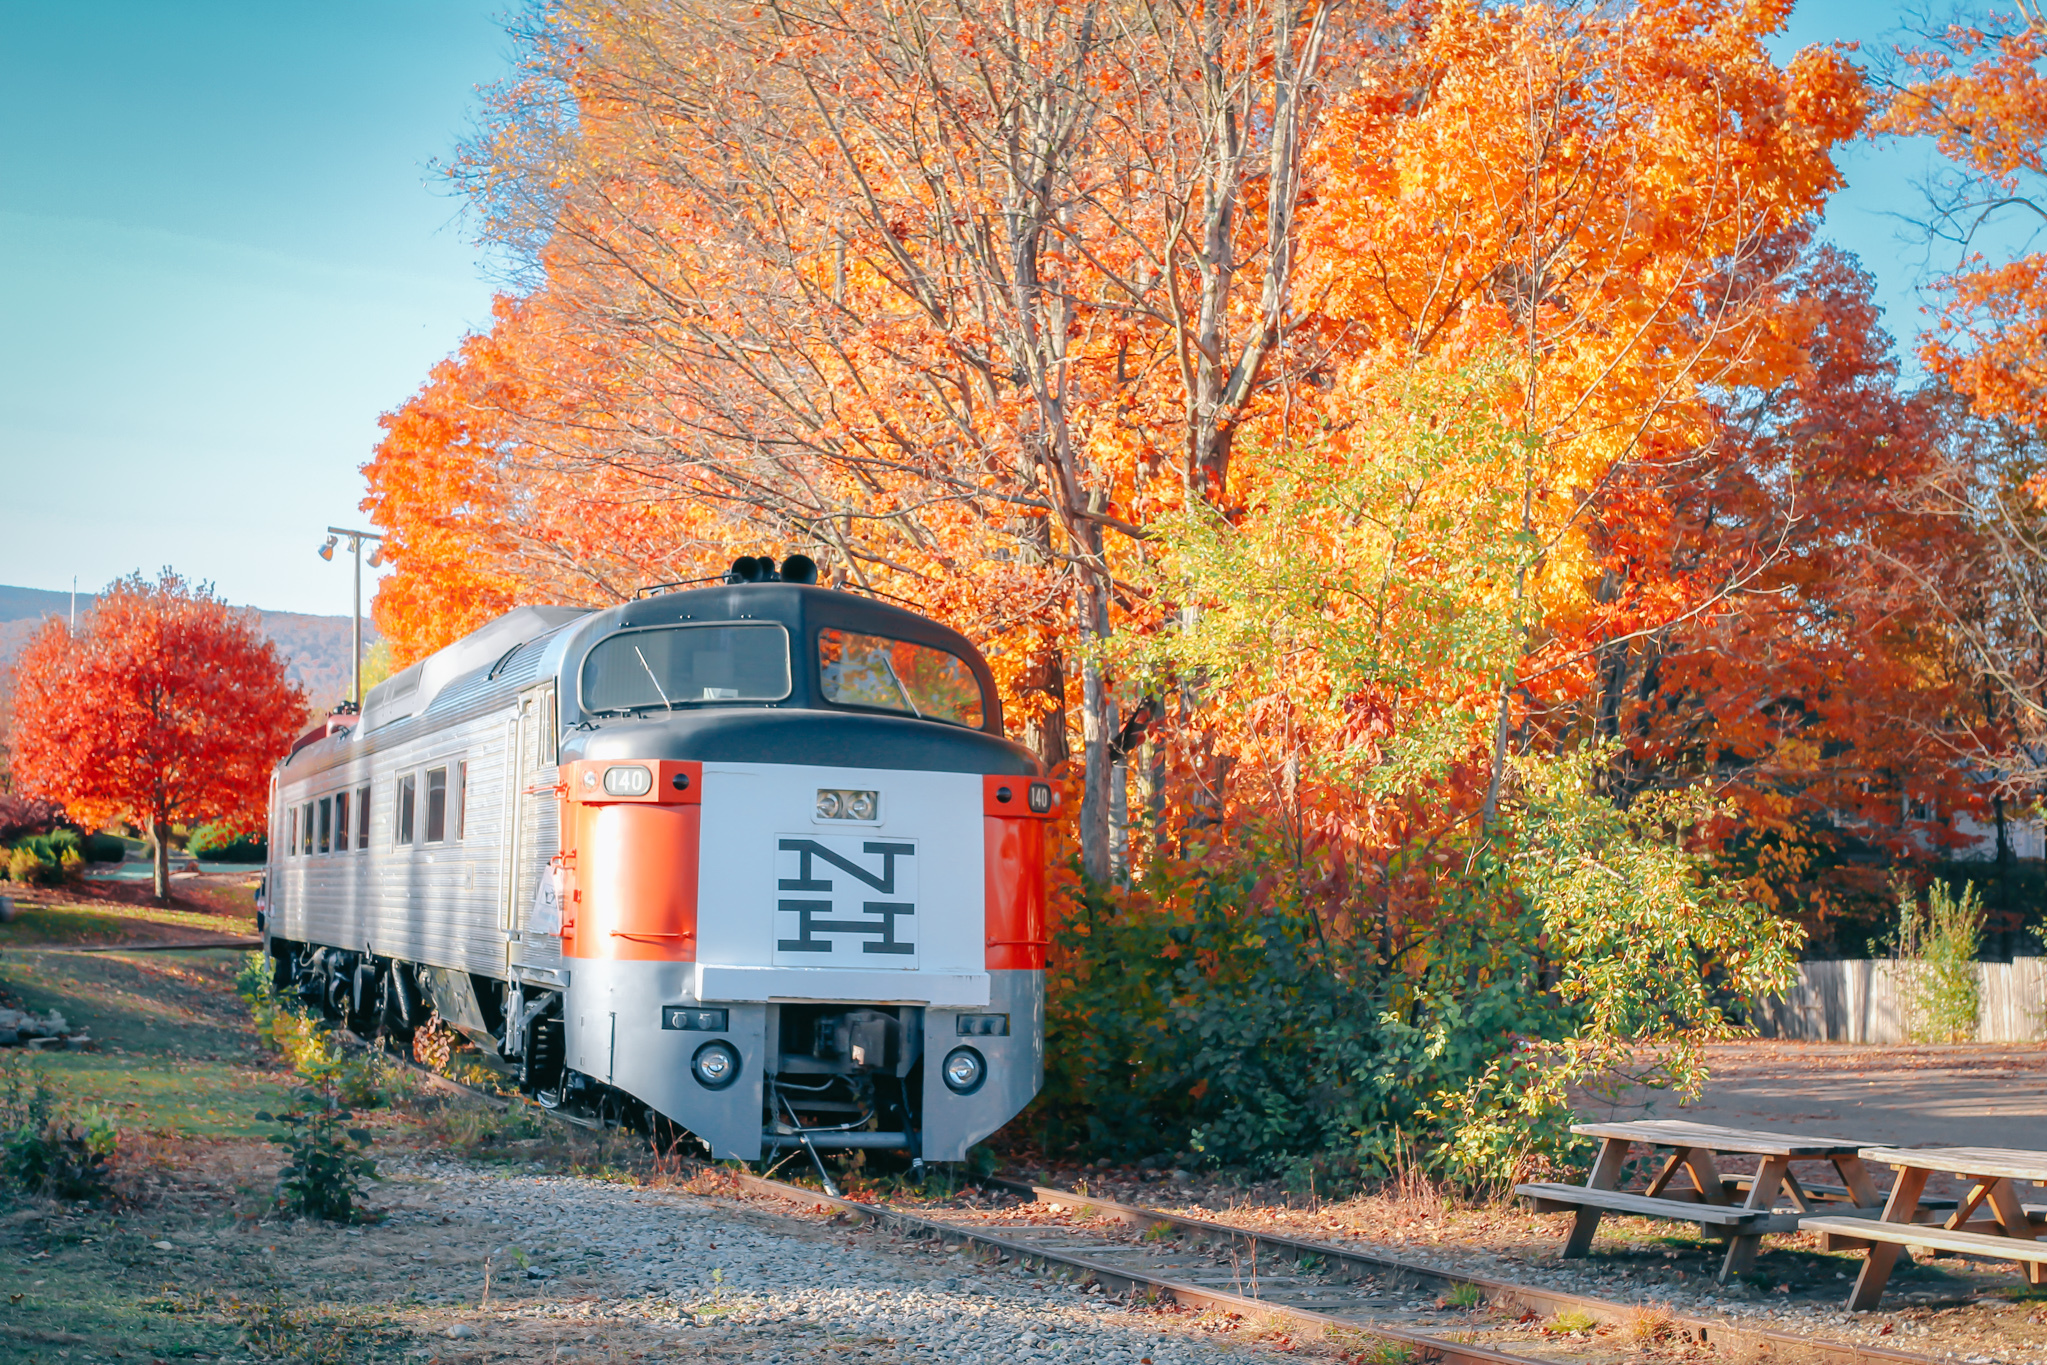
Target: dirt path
1962, 1095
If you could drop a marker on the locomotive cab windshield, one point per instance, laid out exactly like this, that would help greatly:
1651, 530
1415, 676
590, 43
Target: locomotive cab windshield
666, 667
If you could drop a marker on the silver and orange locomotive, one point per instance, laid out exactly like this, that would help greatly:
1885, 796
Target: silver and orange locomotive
755, 858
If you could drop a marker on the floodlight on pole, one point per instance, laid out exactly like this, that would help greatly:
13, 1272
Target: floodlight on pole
356, 540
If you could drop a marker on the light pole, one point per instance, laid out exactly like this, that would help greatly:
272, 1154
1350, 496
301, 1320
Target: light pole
356, 540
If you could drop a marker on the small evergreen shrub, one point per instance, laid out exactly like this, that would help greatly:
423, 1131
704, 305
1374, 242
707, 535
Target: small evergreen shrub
326, 1161
103, 848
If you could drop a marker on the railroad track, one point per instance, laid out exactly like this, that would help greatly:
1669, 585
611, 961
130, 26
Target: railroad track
1317, 1285
1321, 1287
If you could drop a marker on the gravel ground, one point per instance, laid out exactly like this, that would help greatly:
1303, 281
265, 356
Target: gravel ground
674, 1274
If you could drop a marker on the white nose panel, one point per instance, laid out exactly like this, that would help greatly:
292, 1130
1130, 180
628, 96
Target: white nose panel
795, 906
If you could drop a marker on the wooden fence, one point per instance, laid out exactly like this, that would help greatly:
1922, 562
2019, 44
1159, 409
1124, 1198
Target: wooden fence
1861, 1002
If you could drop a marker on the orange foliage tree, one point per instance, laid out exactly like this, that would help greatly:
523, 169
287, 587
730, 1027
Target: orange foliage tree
168, 707
960, 302
1978, 87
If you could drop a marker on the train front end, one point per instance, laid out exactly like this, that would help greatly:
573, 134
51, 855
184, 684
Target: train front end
800, 897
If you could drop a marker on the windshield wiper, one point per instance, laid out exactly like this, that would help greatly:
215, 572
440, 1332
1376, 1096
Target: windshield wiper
908, 700
654, 680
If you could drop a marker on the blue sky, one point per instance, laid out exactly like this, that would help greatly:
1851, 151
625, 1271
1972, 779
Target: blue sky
221, 258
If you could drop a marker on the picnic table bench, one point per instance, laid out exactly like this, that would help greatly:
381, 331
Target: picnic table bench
1710, 1202
2009, 1233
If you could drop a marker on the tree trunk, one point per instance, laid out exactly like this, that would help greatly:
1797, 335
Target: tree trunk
1098, 724
160, 856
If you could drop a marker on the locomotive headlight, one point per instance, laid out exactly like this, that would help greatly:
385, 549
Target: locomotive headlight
964, 1071
837, 803
715, 1066
627, 779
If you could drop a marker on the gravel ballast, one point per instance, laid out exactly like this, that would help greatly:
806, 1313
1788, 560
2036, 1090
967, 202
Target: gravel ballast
679, 1272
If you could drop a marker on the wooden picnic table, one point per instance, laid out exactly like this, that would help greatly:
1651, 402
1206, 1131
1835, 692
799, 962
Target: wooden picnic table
1710, 1202
2009, 1233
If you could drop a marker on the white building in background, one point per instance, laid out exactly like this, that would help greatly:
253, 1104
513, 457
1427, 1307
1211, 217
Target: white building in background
2027, 835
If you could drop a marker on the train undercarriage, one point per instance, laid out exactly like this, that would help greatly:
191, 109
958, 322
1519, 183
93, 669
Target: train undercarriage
845, 1076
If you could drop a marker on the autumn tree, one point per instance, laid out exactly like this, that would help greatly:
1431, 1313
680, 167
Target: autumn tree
1978, 88
922, 290
964, 299
167, 707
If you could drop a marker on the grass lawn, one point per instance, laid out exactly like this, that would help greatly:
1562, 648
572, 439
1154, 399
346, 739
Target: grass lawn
178, 1068
65, 924
175, 1054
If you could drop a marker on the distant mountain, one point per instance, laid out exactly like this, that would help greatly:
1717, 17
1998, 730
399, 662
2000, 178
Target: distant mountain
315, 647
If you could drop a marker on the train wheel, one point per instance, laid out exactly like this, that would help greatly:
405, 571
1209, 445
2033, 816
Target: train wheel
396, 1007
362, 997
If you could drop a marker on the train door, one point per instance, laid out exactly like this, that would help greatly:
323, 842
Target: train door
533, 825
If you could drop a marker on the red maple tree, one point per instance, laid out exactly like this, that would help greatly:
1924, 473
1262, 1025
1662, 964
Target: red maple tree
167, 707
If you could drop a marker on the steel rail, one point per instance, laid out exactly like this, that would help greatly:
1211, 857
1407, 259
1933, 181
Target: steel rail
1501, 1294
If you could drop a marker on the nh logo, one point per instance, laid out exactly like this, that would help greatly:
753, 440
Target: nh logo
855, 901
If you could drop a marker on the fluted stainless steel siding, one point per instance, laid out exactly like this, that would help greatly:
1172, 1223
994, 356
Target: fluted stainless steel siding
441, 905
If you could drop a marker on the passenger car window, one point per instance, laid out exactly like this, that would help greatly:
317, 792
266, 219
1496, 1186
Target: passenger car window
362, 817
898, 675
436, 805
402, 816
676, 666
326, 823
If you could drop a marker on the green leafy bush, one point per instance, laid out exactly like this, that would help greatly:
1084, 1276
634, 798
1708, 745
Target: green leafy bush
216, 843
103, 848
1937, 944
308, 1044
45, 1149
326, 1161
1382, 919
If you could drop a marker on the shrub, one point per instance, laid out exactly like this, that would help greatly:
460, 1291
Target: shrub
103, 848
326, 1161
1237, 1009
308, 1044
27, 866
1937, 946
43, 1148
217, 843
